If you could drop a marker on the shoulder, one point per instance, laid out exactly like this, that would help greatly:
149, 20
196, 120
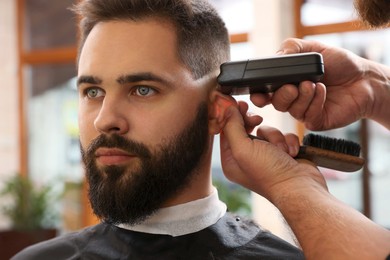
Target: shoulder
66, 246
241, 238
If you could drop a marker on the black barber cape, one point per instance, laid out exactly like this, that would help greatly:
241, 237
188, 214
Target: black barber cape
229, 238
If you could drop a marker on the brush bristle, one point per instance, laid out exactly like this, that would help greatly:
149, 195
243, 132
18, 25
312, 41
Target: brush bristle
332, 144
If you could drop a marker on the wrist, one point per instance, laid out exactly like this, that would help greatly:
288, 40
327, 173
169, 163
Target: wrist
305, 179
379, 81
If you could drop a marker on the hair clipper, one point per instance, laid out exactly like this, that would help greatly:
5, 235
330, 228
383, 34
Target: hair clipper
268, 74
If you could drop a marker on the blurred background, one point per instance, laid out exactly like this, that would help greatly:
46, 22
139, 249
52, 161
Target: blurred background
38, 102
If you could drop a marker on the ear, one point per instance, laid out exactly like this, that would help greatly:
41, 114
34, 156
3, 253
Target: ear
217, 107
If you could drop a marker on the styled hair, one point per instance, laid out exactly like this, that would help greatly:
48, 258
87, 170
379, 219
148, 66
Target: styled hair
202, 37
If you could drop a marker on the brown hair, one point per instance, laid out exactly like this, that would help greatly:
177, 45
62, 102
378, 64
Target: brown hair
375, 13
203, 42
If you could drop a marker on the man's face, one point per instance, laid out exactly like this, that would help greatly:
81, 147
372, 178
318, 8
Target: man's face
143, 119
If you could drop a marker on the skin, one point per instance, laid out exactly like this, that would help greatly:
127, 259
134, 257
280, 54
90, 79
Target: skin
118, 107
325, 227
358, 87
108, 104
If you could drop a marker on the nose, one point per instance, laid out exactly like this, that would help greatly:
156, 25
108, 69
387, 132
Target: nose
111, 118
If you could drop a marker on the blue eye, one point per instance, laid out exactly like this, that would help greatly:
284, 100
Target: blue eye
94, 92
144, 91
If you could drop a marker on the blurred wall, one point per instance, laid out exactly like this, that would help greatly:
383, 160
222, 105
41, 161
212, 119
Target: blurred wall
9, 89
9, 147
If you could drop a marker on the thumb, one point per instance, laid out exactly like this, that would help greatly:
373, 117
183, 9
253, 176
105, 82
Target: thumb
291, 45
234, 131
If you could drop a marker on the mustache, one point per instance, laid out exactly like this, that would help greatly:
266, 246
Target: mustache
116, 141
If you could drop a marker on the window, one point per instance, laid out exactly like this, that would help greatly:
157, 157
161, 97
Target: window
48, 120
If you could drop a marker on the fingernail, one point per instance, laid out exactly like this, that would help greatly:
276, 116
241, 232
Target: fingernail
293, 150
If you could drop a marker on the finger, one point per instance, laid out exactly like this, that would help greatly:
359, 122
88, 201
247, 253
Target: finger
243, 107
301, 104
289, 143
313, 117
293, 144
291, 45
284, 97
273, 136
261, 100
294, 45
250, 120
234, 130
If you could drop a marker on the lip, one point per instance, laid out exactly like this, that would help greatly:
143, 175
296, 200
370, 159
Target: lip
113, 156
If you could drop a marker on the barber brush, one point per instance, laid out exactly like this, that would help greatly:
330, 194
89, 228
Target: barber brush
331, 153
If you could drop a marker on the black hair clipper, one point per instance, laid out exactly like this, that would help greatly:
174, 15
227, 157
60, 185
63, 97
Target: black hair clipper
268, 74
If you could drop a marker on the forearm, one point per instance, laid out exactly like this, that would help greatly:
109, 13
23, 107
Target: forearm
379, 80
328, 229
325, 227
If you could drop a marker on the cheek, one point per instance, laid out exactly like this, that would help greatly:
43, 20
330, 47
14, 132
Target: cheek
157, 130
163, 124
86, 127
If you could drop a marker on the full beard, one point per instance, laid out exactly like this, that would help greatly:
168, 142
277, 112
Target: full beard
122, 195
376, 13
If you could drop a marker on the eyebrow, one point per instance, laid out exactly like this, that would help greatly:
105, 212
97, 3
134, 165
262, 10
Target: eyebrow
124, 79
137, 77
88, 80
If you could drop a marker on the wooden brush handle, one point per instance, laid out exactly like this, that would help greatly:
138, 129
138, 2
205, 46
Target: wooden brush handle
329, 159
326, 158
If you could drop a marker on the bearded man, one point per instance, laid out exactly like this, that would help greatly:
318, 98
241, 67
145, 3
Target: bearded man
149, 108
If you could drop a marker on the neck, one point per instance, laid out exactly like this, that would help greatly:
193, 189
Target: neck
200, 185
183, 219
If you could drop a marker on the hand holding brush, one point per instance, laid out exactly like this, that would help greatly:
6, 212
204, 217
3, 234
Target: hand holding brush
325, 227
327, 152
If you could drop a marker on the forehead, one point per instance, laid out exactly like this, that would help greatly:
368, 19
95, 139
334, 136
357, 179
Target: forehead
131, 44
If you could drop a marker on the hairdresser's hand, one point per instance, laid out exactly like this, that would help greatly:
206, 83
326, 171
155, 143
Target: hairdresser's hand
324, 226
266, 168
347, 97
